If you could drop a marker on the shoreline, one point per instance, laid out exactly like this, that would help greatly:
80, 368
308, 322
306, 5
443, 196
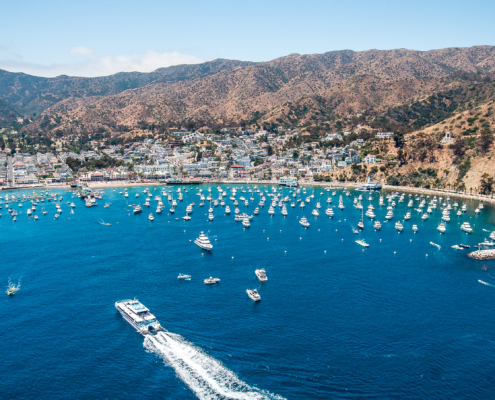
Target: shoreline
336, 185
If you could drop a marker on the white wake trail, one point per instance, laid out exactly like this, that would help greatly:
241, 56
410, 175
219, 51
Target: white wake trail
207, 377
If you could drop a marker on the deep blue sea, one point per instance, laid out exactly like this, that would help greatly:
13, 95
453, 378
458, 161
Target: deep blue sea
401, 319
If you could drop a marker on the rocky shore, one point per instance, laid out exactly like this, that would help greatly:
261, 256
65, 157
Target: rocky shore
482, 254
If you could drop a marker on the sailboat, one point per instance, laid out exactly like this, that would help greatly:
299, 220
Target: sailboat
361, 223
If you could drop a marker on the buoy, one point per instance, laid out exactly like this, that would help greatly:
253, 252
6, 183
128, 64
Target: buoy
286, 251
394, 252
427, 255
190, 240
215, 240
325, 251
410, 240
232, 257
380, 240
342, 239
318, 230
267, 238
263, 230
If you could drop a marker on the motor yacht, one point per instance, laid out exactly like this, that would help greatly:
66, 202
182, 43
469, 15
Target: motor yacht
304, 222
138, 316
442, 228
261, 274
189, 209
415, 228
377, 225
184, 277
466, 227
315, 212
246, 223
150, 217
253, 294
203, 242
399, 226
257, 211
389, 215
227, 210
210, 217
362, 242
211, 281
424, 217
138, 209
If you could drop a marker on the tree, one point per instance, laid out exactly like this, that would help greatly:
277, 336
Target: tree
486, 183
399, 139
485, 140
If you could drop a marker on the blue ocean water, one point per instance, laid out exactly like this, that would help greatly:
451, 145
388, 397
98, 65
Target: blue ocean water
399, 319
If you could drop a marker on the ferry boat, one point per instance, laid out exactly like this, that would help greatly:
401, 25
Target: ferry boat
370, 185
253, 294
261, 274
138, 316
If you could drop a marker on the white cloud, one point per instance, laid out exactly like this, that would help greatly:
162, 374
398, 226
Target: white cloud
89, 65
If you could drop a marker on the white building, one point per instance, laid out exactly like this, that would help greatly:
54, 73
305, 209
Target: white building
370, 159
384, 135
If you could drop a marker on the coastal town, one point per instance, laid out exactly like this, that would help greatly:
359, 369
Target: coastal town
200, 155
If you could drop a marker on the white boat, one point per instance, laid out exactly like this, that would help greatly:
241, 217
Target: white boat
315, 212
189, 209
138, 316
186, 218
246, 223
466, 227
407, 217
261, 274
399, 226
203, 242
389, 215
253, 294
227, 210
329, 212
415, 228
150, 217
424, 217
257, 211
271, 210
442, 228
210, 217
211, 281
304, 222
184, 277
362, 242
377, 225
138, 209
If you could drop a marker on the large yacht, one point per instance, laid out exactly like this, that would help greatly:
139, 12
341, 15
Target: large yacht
138, 209
466, 227
399, 226
442, 227
203, 242
389, 215
138, 316
246, 223
261, 274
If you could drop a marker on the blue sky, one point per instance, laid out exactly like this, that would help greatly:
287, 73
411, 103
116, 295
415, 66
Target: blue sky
90, 38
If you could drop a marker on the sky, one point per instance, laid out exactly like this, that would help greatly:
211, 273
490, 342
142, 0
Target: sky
97, 38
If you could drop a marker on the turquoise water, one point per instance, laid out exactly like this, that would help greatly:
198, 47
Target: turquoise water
399, 319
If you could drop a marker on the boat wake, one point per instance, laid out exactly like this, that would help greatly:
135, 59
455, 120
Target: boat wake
104, 223
485, 283
13, 286
436, 245
486, 230
207, 377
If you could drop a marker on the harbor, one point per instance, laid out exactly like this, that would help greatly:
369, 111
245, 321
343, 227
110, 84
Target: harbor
206, 280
